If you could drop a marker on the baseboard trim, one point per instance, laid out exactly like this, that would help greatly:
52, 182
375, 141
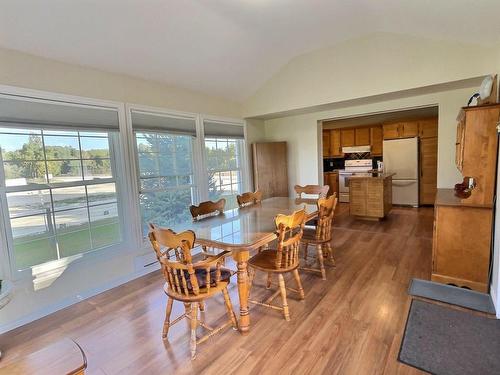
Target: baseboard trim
81, 296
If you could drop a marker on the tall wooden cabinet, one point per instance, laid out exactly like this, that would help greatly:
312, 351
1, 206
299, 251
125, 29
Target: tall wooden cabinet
270, 174
462, 227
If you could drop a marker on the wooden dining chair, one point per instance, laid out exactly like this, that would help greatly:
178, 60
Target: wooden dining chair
249, 198
190, 282
207, 209
316, 190
321, 236
283, 259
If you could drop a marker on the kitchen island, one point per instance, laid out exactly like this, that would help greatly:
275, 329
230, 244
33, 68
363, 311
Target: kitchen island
370, 195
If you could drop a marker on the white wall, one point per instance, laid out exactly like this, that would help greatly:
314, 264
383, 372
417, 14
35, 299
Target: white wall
372, 65
28, 71
302, 133
86, 277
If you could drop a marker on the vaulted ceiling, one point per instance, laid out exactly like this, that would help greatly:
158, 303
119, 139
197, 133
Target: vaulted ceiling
227, 48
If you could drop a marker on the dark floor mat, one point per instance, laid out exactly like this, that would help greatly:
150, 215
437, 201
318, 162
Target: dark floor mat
469, 299
445, 341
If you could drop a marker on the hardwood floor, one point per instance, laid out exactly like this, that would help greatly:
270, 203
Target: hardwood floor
352, 323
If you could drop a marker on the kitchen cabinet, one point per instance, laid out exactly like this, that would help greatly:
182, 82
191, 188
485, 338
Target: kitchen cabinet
376, 140
332, 180
428, 170
391, 131
461, 242
335, 144
370, 196
326, 143
428, 128
407, 129
270, 174
362, 136
347, 137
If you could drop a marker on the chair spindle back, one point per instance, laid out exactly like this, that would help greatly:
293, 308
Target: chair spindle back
207, 209
326, 211
290, 230
249, 198
317, 190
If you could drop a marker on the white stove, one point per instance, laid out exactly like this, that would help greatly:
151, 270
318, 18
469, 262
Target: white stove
351, 167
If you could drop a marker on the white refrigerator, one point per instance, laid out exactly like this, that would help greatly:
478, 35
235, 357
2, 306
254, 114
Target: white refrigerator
400, 156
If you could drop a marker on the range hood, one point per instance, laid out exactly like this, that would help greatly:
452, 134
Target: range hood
356, 149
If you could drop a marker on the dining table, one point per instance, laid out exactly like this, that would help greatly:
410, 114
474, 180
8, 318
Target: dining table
243, 231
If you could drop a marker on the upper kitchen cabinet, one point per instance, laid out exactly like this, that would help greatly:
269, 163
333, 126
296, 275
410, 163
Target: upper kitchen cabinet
428, 128
326, 143
335, 144
406, 129
376, 140
362, 136
348, 137
391, 131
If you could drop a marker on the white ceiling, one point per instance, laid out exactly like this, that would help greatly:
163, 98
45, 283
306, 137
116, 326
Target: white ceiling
224, 47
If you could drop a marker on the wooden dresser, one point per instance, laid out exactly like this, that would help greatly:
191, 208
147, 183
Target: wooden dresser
461, 248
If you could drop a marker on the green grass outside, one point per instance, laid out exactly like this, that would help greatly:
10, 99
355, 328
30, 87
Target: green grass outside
33, 250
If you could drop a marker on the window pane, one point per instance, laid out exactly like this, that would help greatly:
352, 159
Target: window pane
28, 203
104, 225
98, 168
21, 147
102, 193
34, 240
94, 148
24, 173
64, 171
71, 197
73, 232
148, 165
166, 208
61, 147
167, 165
146, 142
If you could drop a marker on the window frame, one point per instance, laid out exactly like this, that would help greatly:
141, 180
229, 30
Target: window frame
118, 167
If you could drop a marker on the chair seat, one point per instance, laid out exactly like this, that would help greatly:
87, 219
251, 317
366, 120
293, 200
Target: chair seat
309, 235
201, 276
266, 261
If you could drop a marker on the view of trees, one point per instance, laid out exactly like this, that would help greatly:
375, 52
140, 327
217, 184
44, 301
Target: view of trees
28, 160
165, 162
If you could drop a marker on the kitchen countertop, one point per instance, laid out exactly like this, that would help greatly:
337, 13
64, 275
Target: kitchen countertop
447, 197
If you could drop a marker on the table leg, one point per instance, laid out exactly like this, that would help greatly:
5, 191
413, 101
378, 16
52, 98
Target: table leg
241, 257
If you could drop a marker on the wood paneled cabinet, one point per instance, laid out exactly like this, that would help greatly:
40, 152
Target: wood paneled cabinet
332, 180
335, 144
476, 149
428, 170
348, 137
428, 128
362, 136
326, 143
396, 130
376, 140
270, 174
461, 242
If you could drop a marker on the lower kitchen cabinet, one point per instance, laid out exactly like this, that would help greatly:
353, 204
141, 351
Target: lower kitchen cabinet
332, 179
462, 242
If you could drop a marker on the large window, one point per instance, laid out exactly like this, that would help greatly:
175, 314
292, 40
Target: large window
60, 192
165, 166
224, 169
224, 147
